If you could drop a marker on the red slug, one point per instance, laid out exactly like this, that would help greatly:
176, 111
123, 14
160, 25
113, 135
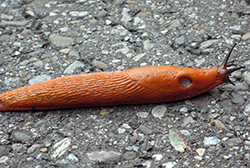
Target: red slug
152, 84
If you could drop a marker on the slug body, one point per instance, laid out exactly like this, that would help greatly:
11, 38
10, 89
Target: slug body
151, 84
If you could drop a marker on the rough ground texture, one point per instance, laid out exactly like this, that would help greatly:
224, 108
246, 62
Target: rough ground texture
42, 40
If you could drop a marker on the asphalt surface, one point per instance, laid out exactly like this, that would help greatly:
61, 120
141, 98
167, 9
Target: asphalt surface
43, 40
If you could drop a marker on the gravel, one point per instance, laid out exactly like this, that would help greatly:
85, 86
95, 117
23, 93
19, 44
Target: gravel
43, 40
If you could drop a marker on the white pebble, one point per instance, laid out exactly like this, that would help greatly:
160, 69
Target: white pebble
157, 157
208, 141
159, 111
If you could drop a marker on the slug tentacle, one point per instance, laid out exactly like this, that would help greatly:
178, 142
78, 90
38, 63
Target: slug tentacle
223, 72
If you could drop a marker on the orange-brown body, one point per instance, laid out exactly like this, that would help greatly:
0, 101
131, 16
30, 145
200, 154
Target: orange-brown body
141, 85
151, 84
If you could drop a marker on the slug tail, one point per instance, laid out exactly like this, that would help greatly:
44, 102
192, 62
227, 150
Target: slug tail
223, 72
6, 108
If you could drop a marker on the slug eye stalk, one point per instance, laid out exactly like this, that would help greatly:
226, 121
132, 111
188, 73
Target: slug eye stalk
222, 70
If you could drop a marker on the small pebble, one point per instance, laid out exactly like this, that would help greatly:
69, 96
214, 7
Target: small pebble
208, 141
30, 158
180, 40
129, 155
142, 114
200, 151
157, 157
65, 51
169, 164
4, 159
246, 36
60, 148
247, 109
198, 158
159, 111
44, 150
121, 130
72, 158
130, 148
184, 110
104, 156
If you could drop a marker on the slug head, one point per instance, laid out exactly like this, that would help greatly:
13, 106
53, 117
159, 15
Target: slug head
223, 72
